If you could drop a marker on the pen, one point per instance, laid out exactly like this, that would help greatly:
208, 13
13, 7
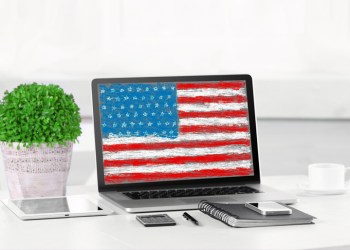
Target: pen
189, 217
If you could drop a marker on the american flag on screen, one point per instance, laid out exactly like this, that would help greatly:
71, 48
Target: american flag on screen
172, 131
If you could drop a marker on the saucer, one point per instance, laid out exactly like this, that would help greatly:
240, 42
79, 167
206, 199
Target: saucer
305, 187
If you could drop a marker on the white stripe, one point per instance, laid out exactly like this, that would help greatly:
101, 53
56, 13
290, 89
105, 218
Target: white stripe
214, 121
212, 106
179, 168
153, 154
183, 137
210, 92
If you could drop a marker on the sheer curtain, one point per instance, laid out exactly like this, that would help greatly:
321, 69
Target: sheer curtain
293, 49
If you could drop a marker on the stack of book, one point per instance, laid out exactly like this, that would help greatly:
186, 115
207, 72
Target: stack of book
237, 215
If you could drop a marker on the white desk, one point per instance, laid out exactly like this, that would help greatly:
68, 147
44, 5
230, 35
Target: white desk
122, 231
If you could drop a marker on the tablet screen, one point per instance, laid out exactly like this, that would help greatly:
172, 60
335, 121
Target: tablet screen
56, 205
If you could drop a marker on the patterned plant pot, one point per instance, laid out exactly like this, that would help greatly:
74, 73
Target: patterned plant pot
37, 171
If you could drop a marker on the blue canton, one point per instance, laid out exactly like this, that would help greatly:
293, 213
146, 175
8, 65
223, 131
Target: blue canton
139, 110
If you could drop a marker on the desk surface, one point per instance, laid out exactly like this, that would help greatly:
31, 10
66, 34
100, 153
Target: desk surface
122, 231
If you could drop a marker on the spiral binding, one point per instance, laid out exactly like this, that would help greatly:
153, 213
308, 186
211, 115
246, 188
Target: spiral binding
217, 213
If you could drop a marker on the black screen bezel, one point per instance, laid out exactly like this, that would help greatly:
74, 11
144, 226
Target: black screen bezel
178, 183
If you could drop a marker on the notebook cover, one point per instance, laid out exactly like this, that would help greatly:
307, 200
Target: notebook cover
239, 211
245, 217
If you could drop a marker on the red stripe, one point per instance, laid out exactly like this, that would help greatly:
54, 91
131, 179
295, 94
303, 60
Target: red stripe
177, 160
119, 178
212, 114
236, 85
213, 129
170, 145
211, 99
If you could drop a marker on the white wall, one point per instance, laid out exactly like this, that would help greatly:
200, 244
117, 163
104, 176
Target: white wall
297, 51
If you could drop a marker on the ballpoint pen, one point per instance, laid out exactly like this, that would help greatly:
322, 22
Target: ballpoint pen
189, 217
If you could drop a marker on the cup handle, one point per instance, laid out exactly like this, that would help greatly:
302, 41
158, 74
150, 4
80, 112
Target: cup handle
347, 182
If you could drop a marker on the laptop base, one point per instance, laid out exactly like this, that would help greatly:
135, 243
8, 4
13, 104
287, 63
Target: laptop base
187, 203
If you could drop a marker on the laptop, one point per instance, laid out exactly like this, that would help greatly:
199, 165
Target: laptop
166, 143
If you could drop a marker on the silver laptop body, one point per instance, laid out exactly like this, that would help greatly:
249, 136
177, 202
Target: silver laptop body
157, 136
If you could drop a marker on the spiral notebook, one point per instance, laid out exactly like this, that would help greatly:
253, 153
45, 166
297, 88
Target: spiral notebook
237, 215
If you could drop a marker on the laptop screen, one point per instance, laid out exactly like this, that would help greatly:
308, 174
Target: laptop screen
169, 131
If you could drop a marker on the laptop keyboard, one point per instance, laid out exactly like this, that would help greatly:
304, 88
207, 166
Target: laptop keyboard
190, 192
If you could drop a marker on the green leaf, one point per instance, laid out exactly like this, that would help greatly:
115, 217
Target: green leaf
36, 113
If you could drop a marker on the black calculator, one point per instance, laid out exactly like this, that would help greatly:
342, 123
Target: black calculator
156, 220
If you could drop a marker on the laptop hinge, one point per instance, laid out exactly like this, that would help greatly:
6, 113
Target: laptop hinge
154, 186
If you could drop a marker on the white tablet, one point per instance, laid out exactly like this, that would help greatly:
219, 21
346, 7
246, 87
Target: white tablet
56, 207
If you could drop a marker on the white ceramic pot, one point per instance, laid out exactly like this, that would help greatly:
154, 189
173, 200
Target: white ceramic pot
37, 171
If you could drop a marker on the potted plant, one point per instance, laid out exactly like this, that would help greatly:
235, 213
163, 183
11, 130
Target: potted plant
38, 126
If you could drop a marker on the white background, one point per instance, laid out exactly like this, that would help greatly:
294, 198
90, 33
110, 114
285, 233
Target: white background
297, 51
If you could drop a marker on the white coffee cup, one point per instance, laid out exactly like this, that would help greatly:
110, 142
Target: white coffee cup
327, 176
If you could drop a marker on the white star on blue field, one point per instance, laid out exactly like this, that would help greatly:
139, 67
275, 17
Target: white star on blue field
139, 110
